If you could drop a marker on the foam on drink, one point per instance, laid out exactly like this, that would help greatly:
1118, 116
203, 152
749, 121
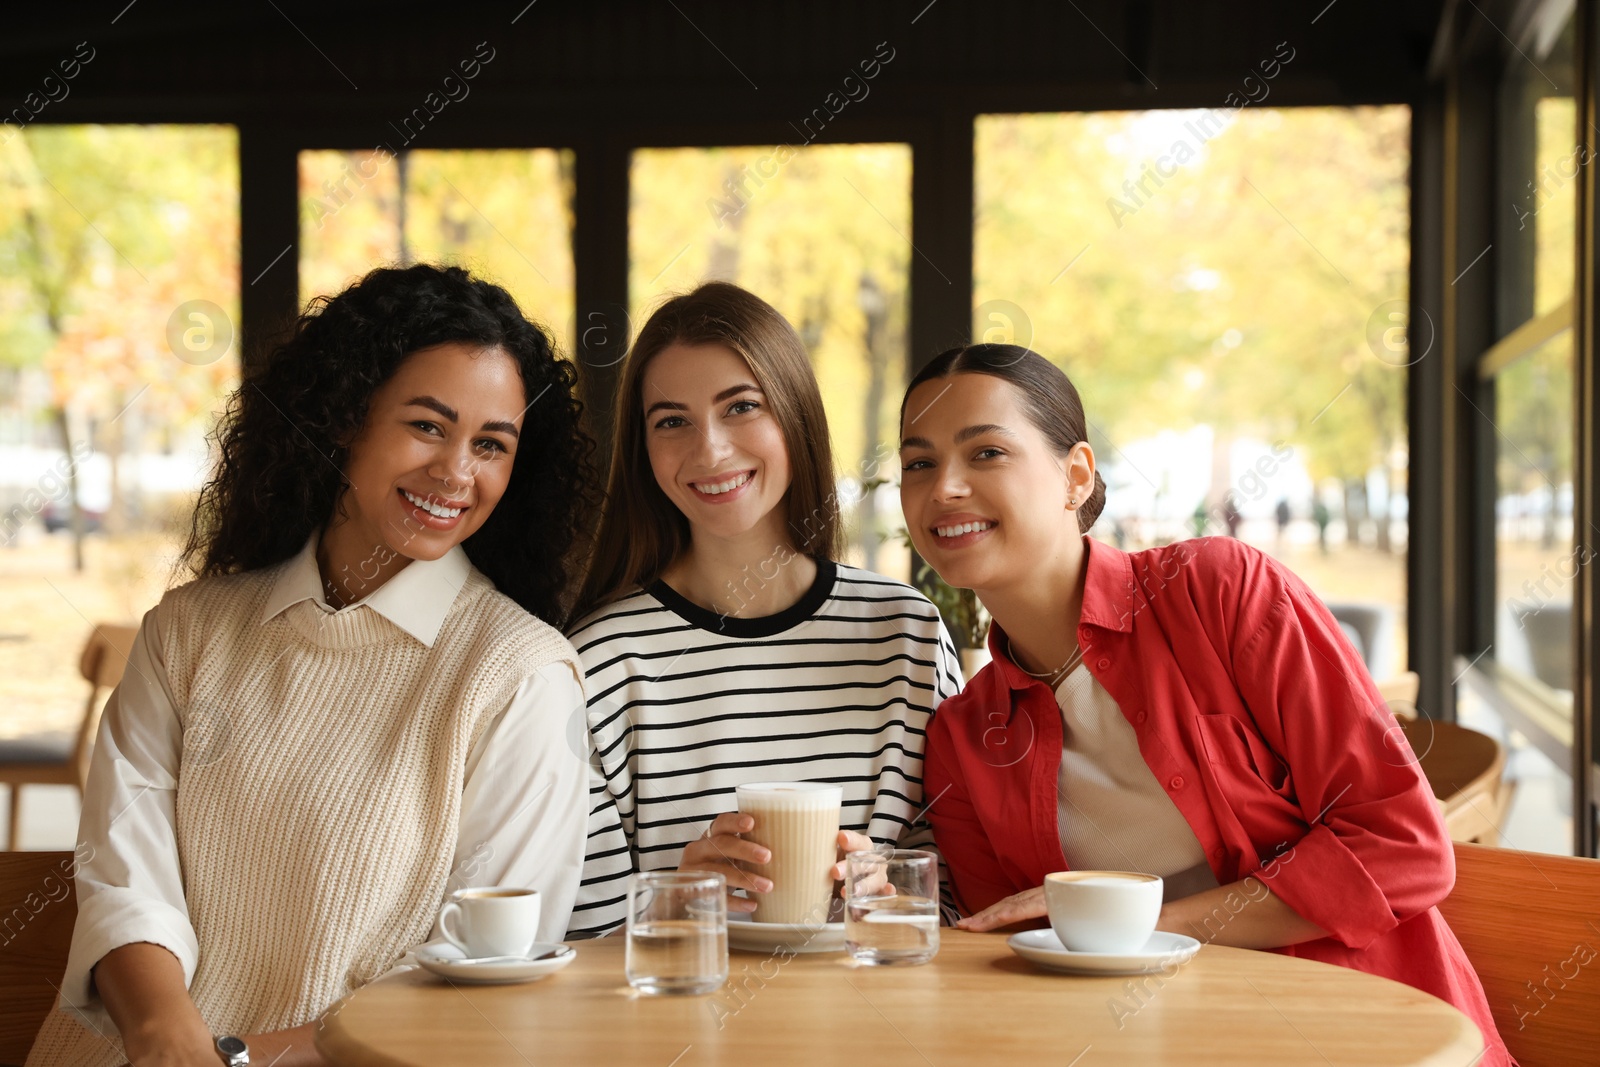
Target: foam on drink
798, 822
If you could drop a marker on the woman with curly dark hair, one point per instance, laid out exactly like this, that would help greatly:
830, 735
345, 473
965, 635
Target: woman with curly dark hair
360, 704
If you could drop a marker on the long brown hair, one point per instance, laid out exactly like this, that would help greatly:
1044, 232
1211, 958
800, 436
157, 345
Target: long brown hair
1048, 397
642, 532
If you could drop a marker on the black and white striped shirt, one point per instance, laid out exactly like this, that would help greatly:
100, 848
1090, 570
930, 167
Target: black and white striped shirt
685, 705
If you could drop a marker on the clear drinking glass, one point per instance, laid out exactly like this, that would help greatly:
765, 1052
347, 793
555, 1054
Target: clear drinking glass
677, 932
892, 905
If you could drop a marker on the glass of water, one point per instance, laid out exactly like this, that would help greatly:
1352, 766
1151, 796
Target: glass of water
892, 906
677, 932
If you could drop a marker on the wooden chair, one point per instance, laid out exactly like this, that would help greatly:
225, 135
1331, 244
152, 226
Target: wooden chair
1527, 923
1464, 769
1400, 693
64, 761
1369, 626
38, 905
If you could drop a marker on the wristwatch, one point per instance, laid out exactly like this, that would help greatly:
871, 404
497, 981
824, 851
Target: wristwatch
234, 1052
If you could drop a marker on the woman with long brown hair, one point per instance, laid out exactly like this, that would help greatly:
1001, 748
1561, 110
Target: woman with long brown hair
722, 641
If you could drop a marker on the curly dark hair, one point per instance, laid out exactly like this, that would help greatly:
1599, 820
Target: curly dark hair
279, 472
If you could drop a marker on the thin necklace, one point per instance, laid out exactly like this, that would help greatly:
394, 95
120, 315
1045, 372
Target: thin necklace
1050, 678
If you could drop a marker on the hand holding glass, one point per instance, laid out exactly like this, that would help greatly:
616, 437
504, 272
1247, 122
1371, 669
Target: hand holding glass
798, 825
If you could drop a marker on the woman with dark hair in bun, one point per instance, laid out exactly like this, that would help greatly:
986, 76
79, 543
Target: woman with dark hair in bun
360, 703
1190, 711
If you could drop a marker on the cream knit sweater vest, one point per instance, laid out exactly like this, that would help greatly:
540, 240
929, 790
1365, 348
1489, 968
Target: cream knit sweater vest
319, 790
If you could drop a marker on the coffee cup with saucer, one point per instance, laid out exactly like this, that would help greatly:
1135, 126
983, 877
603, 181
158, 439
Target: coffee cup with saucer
490, 936
449, 962
1103, 922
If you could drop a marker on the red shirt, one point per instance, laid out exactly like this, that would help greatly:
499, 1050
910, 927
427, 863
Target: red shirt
1263, 725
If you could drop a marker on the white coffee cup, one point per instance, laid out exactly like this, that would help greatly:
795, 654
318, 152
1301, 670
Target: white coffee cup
798, 822
1103, 911
491, 920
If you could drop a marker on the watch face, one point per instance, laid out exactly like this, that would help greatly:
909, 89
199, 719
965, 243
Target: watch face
231, 1046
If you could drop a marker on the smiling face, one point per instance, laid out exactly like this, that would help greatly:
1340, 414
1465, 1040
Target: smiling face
434, 455
987, 501
715, 447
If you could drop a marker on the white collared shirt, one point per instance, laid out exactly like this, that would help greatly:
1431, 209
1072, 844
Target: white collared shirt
522, 794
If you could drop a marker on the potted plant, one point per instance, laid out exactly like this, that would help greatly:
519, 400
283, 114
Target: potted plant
964, 617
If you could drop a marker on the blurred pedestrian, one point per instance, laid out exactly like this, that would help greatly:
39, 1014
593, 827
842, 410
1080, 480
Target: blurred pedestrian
1231, 516
1321, 516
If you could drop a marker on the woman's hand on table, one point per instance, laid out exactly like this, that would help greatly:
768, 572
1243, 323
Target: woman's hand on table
1254, 917
282, 1048
286, 1048
184, 1054
1019, 907
143, 988
721, 851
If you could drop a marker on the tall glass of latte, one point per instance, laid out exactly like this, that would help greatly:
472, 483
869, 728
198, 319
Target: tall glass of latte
798, 822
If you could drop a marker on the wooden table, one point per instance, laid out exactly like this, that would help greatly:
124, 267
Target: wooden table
976, 1004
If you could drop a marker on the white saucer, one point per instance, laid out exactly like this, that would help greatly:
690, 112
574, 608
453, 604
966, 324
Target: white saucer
796, 937
447, 961
1161, 952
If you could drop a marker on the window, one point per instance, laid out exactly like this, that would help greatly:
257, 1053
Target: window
1521, 688
119, 291
504, 215
1223, 288
821, 233
1540, 157
1535, 557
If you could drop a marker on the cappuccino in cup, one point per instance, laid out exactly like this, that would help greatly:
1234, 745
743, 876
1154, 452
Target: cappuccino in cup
798, 822
1103, 911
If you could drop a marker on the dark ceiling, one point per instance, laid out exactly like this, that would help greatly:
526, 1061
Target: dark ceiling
665, 67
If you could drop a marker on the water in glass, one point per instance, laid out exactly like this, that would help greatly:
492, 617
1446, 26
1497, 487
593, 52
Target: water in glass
892, 929
677, 932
